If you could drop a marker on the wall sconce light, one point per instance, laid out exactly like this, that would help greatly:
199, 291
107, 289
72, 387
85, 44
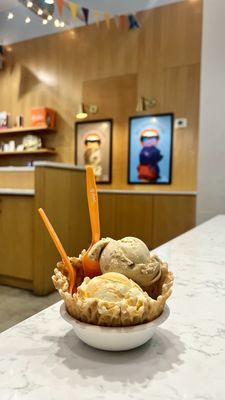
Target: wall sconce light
82, 111
144, 104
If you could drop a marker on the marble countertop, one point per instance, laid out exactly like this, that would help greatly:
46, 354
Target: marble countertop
41, 358
50, 164
17, 192
17, 169
144, 192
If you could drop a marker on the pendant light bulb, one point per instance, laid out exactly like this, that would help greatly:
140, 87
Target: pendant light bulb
10, 15
57, 23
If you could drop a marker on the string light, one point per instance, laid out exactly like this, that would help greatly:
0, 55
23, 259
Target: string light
40, 11
29, 4
57, 23
49, 17
10, 15
62, 24
27, 20
44, 22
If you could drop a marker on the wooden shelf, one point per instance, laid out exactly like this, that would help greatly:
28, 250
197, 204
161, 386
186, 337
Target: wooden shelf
28, 152
27, 129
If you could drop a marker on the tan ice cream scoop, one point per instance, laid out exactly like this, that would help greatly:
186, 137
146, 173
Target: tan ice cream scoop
128, 256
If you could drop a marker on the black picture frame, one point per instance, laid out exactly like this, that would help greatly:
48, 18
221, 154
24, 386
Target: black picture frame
110, 141
136, 117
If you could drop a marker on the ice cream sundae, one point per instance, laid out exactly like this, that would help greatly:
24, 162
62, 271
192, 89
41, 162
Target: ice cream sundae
132, 289
114, 283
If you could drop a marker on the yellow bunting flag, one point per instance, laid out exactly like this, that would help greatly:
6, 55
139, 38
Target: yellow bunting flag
107, 19
73, 9
96, 14
117, 20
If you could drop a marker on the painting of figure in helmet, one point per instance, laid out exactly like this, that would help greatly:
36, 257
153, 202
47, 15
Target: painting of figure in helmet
150, 149
93, 146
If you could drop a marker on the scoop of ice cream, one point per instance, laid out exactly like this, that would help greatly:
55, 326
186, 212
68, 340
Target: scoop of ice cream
112, 299
128, 256
111, 287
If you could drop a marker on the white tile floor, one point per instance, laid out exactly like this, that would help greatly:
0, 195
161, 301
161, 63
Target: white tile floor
17, 305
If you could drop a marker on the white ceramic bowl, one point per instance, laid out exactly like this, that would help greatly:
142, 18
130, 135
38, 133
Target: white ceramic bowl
114, 338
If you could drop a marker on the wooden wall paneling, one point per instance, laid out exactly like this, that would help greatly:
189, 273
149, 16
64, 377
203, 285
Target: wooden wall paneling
116, 98
150, 56
181, 94
181, 26
16, 237
107, 210
172, 216
62, 194
134, 217
57, 71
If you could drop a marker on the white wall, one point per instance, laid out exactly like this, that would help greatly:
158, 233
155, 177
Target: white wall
211, 164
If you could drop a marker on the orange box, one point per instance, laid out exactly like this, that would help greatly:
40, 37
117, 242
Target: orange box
42, 117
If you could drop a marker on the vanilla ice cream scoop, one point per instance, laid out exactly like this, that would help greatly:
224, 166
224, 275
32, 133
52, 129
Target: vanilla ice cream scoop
112, 299
128, 256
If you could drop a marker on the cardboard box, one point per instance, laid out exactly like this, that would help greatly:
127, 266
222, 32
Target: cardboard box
42, 117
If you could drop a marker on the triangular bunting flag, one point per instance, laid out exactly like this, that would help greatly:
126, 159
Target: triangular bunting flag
86, 14
80, 14
60, 6
96, 14
73, 9
117, 20
107, 19
122, 21
133, 23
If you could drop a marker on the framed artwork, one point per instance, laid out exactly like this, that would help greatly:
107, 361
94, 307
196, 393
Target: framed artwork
150, 149
93, 146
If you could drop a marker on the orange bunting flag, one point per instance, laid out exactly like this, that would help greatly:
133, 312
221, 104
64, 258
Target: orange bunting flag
73, 9
60, 6
107, 19
122, 21
96, 14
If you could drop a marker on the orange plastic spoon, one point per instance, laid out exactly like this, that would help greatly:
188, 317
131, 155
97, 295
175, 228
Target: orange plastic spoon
59, 246
92, 268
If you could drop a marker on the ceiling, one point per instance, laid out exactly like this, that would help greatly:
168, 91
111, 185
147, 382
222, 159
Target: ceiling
15, 30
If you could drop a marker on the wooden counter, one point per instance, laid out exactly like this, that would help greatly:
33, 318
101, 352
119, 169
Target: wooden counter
154, 217
28, 255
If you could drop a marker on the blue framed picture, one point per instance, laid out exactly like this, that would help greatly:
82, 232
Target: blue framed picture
150, 149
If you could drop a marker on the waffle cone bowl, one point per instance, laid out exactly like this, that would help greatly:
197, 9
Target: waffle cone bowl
112, 299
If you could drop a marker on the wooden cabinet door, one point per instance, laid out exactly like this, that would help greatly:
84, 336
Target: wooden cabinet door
172, 216
134, 217
126, 215
107, 210
16, 235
